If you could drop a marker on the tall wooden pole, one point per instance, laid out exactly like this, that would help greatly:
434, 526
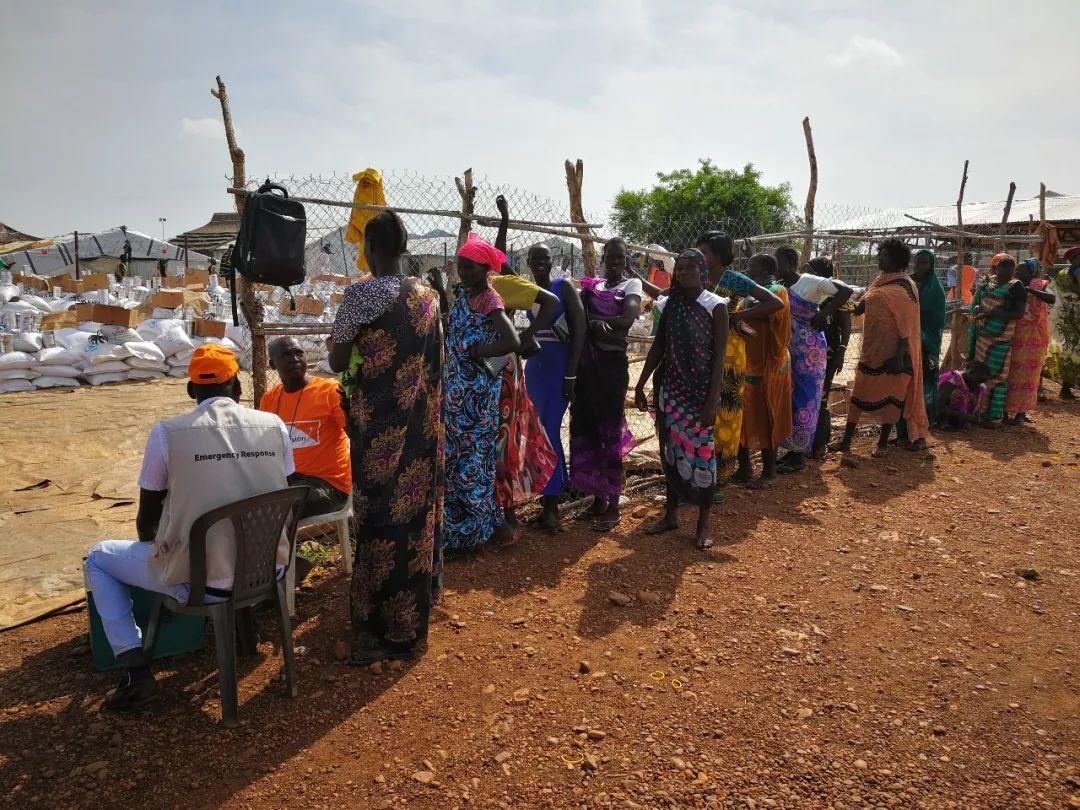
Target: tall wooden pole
958, 329
999, 245
811, 192
249, 302
960, 220
574, 174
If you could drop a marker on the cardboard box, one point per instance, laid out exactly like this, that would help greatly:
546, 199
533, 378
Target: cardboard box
207, 328
305, 305
89, 282
199, 279
172, 283
59, 320
83, 312
114, 316
341, 281
32, 282
337, 298
166, 299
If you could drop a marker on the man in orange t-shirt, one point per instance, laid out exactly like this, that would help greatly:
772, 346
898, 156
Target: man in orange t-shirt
313, 410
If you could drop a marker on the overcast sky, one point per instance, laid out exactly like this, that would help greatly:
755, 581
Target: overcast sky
109, 119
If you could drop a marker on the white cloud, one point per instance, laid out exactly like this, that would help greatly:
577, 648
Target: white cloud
867, 50
202, 129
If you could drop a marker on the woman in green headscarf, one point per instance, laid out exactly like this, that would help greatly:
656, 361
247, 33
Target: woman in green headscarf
931, 328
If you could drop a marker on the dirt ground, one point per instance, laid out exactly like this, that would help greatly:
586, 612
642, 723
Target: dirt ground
900, 634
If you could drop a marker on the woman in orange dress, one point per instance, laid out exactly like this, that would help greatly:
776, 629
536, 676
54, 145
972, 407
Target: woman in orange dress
1029, 344
888, 380
766, 420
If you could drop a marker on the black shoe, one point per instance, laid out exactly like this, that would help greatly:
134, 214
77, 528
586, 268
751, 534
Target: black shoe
131, 693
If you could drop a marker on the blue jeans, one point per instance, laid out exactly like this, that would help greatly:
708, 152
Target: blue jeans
111, 567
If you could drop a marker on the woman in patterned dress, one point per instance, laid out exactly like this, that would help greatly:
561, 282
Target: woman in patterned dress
814, 301
719, 253
688, 357
599, 436
888, 380
477, 329
1063, 358
1000, 301
387, 340
1030, 342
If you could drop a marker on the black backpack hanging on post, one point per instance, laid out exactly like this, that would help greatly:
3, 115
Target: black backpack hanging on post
270, 244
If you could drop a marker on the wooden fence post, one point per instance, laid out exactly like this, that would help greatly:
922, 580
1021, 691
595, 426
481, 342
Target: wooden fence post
574, 173
956, 356
811, 192
249, 302
999, 245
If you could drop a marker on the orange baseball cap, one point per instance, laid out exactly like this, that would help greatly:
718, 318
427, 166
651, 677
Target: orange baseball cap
212, 364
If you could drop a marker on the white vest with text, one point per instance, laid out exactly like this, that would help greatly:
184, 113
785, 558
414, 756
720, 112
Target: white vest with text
217, 455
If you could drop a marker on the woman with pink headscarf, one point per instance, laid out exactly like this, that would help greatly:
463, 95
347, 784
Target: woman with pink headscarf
478, 335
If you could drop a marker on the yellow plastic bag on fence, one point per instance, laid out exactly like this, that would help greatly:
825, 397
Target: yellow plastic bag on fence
369, 191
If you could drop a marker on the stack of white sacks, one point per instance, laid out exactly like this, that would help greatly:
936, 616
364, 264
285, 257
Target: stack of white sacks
95, 354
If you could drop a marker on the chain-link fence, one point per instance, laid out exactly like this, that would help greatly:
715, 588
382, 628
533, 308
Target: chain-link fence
846, 234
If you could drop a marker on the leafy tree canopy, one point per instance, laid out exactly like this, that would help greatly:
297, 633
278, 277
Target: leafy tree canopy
686, 202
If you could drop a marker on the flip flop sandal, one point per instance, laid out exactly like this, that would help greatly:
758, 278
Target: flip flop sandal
603, 526
655, 529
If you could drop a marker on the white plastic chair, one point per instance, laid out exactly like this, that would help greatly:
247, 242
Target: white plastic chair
340, 519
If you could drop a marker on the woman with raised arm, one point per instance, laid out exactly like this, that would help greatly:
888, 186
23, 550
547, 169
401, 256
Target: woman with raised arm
551, 374
526, 460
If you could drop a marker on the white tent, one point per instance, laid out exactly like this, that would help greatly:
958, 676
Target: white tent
332, 254
59, 257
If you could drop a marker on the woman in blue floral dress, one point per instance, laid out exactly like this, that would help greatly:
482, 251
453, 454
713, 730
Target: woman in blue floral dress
477, 330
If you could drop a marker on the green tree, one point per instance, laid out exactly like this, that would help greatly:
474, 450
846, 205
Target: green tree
685, 202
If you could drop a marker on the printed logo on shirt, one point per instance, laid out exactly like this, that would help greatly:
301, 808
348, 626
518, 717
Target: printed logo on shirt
304, 433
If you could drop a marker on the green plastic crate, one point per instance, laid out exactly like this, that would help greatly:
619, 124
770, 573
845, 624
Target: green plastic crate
177, 633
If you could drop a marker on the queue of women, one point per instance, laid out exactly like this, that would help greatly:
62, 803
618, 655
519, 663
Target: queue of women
451, 432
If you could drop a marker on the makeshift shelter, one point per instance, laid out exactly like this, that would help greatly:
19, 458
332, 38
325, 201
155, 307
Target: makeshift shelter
100, 252
1062, 211
9, 235
212, 238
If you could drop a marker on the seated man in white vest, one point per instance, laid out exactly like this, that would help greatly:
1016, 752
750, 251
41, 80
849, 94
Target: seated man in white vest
219, 453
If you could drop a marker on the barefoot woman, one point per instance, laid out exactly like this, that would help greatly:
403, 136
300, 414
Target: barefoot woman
599, 436
688, 357
888, 380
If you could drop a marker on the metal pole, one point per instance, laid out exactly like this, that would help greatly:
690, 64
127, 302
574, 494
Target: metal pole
78, 269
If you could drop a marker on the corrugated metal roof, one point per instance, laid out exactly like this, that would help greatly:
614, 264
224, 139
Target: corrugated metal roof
1058, 209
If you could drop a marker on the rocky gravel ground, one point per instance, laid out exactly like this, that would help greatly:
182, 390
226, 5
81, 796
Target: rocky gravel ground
898, 632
